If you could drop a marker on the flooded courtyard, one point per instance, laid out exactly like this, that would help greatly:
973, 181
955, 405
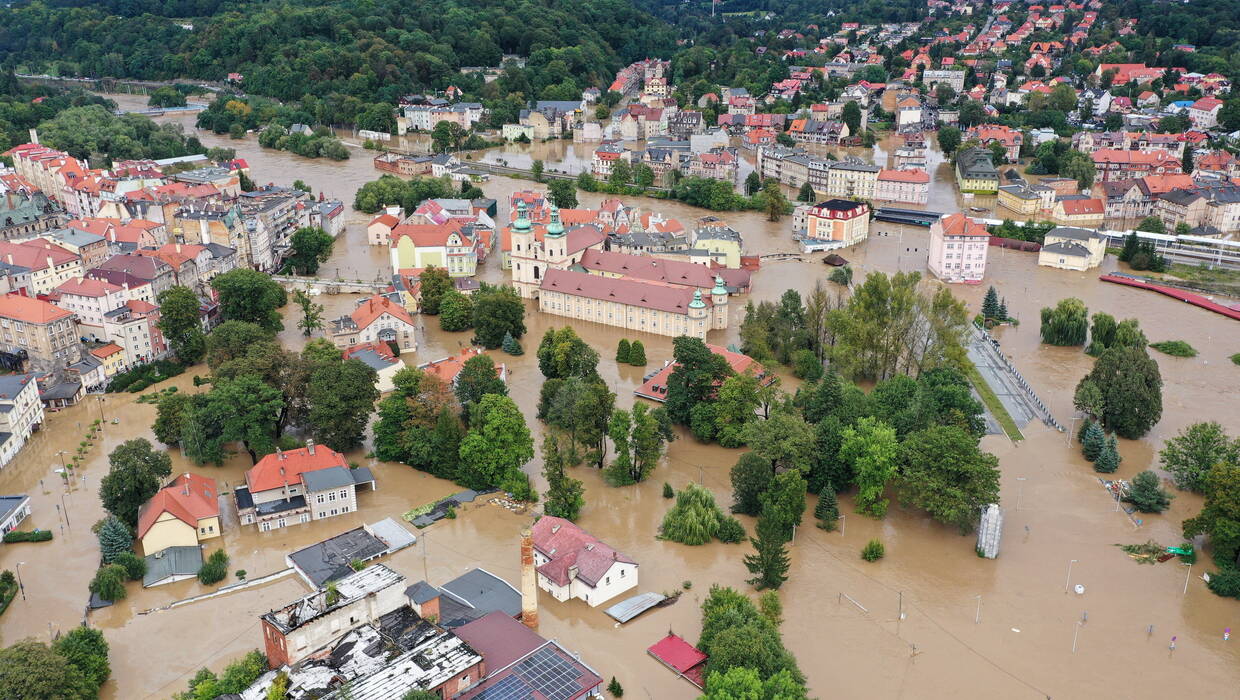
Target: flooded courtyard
1020, 645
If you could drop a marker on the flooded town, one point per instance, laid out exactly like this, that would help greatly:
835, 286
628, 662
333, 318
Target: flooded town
466, 587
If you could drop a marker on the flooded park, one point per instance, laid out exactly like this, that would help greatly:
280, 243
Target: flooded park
931, 620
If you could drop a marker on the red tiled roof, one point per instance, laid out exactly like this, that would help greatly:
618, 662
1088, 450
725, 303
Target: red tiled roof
374, 307
634, 292
27, 310
566, 545
655, 388
447, 368
428, 235
88, 287
105, 350
385, 219
675, 272
1074, 207
960, 225
275, 470
189, 498
912, 175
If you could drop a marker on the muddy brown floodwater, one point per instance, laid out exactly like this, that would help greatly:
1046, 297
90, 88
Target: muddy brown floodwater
1022, 647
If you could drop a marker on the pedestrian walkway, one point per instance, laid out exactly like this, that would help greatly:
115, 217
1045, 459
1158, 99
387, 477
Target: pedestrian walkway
1006, 381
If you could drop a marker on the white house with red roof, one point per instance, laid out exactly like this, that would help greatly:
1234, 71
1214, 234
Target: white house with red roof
958, 249
1204, 112
376, 319
182, 514
572, 563
297, 486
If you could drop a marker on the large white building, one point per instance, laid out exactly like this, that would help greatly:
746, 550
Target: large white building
21, 413
958, 248
572, 563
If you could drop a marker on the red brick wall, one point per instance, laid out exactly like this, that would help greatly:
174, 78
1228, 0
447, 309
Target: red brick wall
274, 645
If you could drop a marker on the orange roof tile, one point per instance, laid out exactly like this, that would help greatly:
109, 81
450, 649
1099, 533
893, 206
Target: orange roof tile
189, 498
374, 307
276, 470
105, 350
27, 310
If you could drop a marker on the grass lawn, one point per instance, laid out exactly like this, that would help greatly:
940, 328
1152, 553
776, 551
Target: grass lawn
992, 402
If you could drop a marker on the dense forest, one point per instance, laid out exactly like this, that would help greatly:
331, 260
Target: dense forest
376, 50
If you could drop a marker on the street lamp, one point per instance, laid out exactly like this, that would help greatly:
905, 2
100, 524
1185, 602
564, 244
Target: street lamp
1069, 578
21, 587
102, 420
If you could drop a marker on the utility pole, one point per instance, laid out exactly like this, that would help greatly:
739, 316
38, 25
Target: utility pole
425, 576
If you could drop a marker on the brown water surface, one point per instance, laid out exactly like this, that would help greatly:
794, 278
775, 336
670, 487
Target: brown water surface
1021, 647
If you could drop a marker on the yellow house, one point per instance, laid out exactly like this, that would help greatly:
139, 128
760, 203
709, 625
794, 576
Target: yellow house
720, 240
182, 514
975, 171
1019, 199
112, 356
1072, 249
452, 245
1077, 210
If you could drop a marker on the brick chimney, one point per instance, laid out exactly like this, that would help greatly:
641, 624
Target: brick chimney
309, 445
529, 586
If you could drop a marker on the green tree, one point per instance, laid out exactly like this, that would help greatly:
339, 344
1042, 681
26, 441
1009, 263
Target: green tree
311, 313
448, 136
498, 311
419, 695
751, 477
1131, 387
245, 409
434, 284
497, 445
536, 170
582, 408
643, 176
1220, 515
115, 539
785, 440
310, 247
215, 569
342, 396
637, 354
1093, 442
694, 519
639, 437
86, 650
134, 566
945, 474
563, 193
251, 296
564, 497
851, 116
136, 472
180, 321
949, 139
872, 450
806, 365
456, 311
696, 376
170, 418
735, 408
741, 683
109, 582
1066, 324
478, 378
990, 305
232, 340
1186, 163
807, 194
622, 351
614, 687
774, 201
753, 183
511, 346
783, 503
562, 354
736, 634
828, 509
1194, 451
166, 96
621, 173
1109, 459
770, 562
31, 671
1147, 494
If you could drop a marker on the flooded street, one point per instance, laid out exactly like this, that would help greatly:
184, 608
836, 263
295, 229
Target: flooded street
1056, 512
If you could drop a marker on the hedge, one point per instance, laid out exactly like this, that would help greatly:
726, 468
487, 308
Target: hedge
32, 536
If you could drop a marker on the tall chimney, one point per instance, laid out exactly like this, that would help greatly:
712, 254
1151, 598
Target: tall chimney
529, 587
310, 445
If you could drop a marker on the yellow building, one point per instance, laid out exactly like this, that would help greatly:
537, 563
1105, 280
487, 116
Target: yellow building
1072, 249
112, 356
975, 171
1077, 210
182, 514
453, 245
840, 222
1019, 199
632, 304
722, 241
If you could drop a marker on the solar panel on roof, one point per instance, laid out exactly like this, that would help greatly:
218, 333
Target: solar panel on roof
552, 674
508, 688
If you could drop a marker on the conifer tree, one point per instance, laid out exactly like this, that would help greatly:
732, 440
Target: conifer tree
623, 351
114, 539
990, 305
1109, 459
1003, 311
769, 563
1093, 443
828, 509
511, 346
637, 354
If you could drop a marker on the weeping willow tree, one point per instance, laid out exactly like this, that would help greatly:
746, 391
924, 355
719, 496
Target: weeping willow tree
695, 519
1066, 324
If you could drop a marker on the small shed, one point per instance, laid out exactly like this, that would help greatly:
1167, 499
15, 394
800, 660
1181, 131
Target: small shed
686, 660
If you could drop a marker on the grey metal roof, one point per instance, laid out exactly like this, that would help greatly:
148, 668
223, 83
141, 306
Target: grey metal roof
171, 562
242, 495
485, 592
329, 560
421, 592
1076, 250
373, 360
62, 391
12, 384
1076, 234
8, 504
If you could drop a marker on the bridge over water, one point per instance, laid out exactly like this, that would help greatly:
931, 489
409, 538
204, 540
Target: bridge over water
321, 285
